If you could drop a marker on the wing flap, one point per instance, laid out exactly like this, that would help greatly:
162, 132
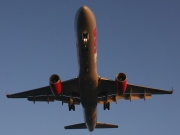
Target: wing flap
136, 96
64, 99
114, 98
41, 98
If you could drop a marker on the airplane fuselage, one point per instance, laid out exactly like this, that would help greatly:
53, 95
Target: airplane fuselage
85, 28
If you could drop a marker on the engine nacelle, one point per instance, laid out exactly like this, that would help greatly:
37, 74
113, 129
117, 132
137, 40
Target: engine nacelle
121, 83
55, 84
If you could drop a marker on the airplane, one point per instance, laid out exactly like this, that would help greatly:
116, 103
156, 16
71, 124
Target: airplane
88, 89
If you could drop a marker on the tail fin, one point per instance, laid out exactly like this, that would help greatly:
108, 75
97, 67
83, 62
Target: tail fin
98, 125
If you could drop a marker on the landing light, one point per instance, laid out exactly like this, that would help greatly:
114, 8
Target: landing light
85, 37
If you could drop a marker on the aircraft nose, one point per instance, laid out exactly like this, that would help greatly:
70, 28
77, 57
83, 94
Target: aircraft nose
83, 8
84, 19
83, 11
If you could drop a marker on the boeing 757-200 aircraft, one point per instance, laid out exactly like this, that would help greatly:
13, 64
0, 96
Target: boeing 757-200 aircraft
88, 88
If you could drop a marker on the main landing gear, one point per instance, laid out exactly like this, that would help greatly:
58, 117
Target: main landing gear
106, 105
71, 106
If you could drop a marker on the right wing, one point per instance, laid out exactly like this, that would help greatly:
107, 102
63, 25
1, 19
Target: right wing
107, 92
69, 89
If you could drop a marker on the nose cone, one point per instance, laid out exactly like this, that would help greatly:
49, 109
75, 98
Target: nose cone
83, 11
84, 18
83, 8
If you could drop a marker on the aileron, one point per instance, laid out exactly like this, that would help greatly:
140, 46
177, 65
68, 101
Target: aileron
31, 93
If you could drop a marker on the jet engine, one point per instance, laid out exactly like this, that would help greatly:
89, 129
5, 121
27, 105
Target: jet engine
55, 84
121, 83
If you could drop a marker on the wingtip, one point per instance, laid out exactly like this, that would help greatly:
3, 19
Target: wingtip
7, 95
172, 90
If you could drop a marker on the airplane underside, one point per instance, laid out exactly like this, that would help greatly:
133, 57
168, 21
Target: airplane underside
88, 89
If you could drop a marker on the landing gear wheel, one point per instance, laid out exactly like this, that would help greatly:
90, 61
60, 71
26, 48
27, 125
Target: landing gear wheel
71, 106
106, 105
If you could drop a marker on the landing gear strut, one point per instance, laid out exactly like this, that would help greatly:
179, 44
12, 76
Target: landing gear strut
106, 105
71, 106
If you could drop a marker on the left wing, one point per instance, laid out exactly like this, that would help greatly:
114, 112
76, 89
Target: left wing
69, 89
107, 92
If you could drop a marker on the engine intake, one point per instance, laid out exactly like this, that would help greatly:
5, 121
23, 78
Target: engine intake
121, 83
55, 84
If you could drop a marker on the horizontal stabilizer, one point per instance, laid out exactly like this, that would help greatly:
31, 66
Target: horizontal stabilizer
105, 125
76, 126
98, 125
